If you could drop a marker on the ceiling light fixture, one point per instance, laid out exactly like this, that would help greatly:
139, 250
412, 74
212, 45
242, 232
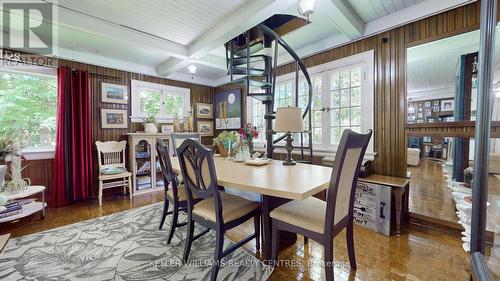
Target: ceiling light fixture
192, 70
306, 7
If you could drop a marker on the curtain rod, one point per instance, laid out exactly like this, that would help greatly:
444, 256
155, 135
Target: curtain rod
55, 67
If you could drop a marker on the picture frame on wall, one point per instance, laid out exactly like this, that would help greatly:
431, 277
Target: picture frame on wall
420, 115
436, 108
114, 118
167, 128
420, 109
436, 102
411, 109
205, 128
204, 110
448, 105
114, 93
228, 110
428, 112
427, 104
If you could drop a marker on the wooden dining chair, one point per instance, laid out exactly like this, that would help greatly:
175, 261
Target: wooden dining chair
320, 220
179, 138
175, 193
112, 167
218, 210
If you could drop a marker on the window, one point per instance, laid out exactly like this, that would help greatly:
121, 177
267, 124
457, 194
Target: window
167, 101
345, 101
342, 99
28, 108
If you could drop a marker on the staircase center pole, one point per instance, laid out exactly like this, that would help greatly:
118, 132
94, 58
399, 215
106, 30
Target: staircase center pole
269, 105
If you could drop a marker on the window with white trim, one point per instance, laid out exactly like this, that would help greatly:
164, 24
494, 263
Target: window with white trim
167, 101
28, 98
342, 99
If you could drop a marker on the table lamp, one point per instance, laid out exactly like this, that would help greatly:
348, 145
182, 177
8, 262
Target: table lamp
289, 120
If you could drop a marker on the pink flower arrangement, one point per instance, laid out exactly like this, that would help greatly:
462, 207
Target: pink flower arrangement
249, 132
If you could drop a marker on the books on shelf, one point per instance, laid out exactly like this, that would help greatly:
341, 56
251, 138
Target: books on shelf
144, 168
142, 154
12, 213
11, 209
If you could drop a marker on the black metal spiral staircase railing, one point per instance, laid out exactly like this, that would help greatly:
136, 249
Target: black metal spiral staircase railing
250, 63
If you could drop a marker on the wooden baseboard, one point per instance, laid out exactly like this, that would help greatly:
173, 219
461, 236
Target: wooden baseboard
442, 225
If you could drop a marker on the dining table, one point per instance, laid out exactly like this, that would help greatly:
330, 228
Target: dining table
275, 182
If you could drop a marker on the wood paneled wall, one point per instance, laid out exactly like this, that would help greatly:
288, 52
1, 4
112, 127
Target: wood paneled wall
390, 76
99, 74
40, 171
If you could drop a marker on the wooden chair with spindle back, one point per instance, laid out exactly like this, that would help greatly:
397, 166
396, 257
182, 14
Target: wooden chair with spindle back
320, 220
112, 167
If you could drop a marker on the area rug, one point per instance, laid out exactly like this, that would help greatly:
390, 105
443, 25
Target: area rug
122, 246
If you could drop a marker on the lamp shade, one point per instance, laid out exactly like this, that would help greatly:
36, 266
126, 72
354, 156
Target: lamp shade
289, 119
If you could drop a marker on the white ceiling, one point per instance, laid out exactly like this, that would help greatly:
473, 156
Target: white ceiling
163, 37
432, 67
369, 10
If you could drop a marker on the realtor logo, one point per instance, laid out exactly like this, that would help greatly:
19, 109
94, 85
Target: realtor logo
27, 26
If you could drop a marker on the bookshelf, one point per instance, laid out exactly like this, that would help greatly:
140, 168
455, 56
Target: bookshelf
143, 161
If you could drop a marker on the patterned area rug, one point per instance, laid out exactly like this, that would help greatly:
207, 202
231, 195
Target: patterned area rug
122, 246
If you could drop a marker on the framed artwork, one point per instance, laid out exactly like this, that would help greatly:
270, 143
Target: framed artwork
427, 139
411, 109
114, 118
431, 119
427, 104
436, 108
436, 102
448, 105
411, 118
420, 115
204, 110
428, 113
228, 111
205, 128
167, 128
114, 93
420, 109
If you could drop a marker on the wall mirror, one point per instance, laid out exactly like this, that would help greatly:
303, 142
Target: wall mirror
442, 84
442, 79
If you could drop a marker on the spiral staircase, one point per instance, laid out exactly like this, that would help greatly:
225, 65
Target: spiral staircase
251, 63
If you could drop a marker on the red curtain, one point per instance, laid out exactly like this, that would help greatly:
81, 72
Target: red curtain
73, 174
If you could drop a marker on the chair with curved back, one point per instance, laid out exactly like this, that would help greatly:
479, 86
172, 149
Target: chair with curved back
320, 220
179, 138
218, 210
176, 195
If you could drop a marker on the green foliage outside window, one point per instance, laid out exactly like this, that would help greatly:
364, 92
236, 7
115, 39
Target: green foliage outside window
26, 103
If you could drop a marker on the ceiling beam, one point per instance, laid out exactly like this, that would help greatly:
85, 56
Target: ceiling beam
342, 15
247, 16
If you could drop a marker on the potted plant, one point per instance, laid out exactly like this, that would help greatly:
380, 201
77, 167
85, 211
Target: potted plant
224, 141
150, 123
248, 133
5, 148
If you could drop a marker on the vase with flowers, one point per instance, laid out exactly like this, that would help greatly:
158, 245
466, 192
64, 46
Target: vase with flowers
248, 133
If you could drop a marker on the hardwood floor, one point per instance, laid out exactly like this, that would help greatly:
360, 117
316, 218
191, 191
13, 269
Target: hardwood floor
418, 254
430, 196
